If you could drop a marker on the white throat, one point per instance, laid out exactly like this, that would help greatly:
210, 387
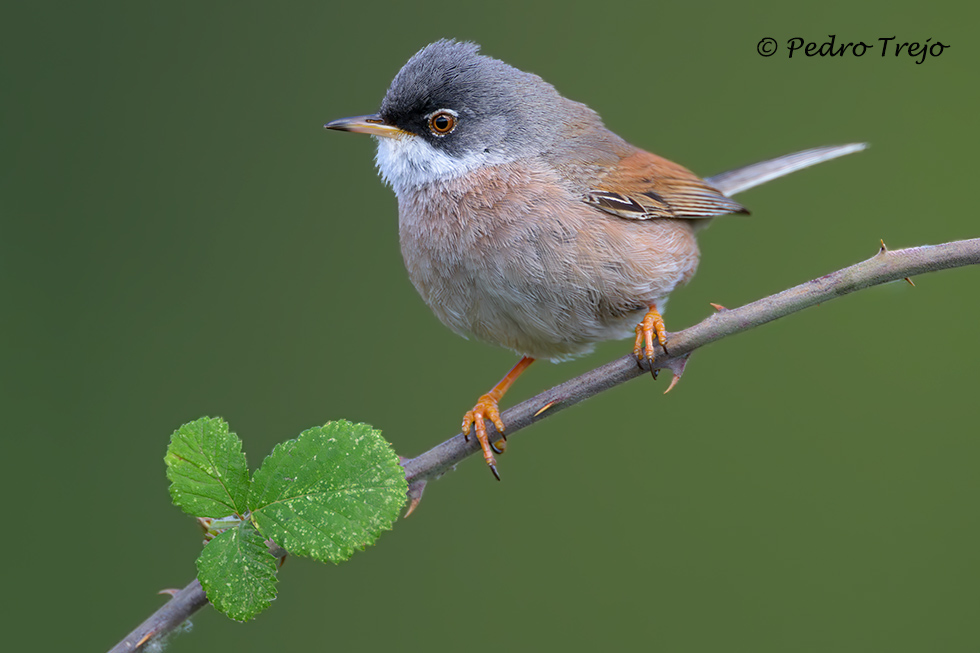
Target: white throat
409, 163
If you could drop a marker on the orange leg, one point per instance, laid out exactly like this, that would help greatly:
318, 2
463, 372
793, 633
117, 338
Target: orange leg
487, 408
651, 325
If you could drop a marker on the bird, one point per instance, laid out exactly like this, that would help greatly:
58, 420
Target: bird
525, 223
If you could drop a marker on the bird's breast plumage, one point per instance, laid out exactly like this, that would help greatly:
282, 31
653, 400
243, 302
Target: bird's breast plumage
512, 255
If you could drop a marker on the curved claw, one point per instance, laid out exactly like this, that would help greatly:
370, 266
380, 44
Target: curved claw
486, 408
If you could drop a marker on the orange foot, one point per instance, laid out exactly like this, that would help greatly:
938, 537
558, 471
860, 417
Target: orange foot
486, 409
651, 325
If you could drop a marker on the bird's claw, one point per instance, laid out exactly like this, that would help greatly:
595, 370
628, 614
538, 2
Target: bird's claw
486, 408
651, 325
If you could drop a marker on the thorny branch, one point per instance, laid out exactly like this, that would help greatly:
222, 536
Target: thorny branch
883, 267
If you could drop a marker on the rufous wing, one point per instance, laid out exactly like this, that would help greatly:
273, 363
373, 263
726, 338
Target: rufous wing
644, 186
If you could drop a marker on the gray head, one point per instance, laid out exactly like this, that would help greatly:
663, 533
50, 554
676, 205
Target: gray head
450, 110
487, 102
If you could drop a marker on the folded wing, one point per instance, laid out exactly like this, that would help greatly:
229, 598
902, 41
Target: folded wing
644, 186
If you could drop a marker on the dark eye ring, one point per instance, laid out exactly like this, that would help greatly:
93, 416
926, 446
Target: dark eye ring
442, 122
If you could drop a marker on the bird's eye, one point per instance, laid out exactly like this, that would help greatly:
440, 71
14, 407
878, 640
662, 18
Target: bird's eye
442, 122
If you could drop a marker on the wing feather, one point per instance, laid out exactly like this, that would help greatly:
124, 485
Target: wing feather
644, 186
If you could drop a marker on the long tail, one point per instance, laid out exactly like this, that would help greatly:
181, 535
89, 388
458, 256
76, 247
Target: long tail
750, 176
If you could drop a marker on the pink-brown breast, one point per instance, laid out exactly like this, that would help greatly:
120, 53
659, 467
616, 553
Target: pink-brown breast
513, 256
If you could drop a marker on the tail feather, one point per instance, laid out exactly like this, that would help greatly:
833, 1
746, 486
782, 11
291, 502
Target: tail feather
750, 176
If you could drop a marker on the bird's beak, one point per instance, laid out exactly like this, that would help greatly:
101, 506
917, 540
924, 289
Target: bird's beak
373, 125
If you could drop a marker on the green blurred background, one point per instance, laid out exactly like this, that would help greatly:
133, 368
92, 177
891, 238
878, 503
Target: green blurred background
181, 238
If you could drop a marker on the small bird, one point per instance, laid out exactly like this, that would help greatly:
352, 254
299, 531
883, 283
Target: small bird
525, 223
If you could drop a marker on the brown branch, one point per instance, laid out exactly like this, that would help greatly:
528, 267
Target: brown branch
885, 266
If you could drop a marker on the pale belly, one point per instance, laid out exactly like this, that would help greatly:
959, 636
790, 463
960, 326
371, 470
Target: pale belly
546, 285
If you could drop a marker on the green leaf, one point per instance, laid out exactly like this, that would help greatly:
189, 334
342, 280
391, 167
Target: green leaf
207, 469
329, 492
238, 573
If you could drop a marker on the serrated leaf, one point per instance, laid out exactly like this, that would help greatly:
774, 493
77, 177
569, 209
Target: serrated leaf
329, 492
238, 573
207, 469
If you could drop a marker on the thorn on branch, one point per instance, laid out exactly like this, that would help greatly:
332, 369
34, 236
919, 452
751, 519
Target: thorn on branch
415, 491
546, 407
676, 367
718, 307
